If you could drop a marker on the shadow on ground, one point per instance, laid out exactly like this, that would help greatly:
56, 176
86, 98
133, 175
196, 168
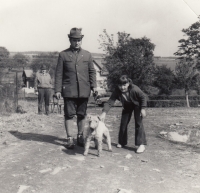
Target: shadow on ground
125, 147
50, 139
61, 142
38, 137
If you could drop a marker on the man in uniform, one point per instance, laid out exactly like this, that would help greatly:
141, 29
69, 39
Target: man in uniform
75, 77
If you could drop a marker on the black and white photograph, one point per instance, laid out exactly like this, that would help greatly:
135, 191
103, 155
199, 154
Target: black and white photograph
100, 96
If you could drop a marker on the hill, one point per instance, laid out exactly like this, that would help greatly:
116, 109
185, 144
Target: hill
168, 61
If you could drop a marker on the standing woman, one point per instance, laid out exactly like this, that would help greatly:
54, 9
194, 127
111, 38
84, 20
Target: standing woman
43, 86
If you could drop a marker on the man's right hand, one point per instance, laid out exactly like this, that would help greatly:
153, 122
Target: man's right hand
58, 95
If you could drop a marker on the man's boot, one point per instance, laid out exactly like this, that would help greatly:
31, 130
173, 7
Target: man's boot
70, 143
69, 127
80, 140
81, 125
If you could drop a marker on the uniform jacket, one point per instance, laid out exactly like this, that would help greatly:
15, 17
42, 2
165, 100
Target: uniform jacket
75, 75
137, 97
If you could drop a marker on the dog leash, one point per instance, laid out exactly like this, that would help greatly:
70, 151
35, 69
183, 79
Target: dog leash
95, 95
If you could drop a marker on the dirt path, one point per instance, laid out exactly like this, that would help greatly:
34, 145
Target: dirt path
32, 158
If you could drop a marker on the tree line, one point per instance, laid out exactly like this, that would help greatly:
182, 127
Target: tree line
21, 61
134, 57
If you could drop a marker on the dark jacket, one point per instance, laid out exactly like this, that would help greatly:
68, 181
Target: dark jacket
137, 97
75, 76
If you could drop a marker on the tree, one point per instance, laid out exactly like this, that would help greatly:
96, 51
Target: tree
189, 59
4, 57
20, 60
197, 83
189, 48
133, 57
48, 59
185, 77
164, 79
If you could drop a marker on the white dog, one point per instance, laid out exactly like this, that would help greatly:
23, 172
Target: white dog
97, 131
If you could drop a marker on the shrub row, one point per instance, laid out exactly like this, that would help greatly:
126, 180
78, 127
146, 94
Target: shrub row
171, 103
173, 97
163, 97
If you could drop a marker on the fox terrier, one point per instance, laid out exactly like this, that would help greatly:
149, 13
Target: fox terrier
97, 131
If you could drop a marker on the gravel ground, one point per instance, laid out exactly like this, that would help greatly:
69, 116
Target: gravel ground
33, 158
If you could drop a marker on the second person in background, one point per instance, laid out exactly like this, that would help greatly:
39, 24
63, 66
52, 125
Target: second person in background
43, 87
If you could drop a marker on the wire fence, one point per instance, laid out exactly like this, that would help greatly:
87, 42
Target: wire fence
11, 91
12, 96
8, 97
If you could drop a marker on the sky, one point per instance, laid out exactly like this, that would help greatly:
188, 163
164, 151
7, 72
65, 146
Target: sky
44, 25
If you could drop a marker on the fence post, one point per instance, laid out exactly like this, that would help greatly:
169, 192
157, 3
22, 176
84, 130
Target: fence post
16, 89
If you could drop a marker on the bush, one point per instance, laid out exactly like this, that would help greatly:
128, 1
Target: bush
7, 91
7, 102
7, 106
173, 97
171, 103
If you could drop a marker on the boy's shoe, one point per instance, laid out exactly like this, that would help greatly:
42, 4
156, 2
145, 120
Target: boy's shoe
70, 143
119, 145
80, 140
141, 149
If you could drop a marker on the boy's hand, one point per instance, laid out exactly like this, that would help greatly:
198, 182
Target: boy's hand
102, 116
143, 113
